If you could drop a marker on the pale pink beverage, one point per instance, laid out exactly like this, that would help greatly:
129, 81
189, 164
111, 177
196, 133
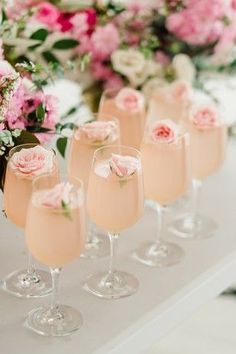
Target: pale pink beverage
18, 190
130, 111
85, 141
208, 149
55, 236
170, 102
114, 203
166, 168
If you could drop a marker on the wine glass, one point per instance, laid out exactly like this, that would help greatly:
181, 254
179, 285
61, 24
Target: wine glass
55, 235
208, 134
128, 106
115, 202
86, 139
25, 162
165, 152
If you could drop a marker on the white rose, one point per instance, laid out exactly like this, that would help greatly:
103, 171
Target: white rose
128, 62
184, 67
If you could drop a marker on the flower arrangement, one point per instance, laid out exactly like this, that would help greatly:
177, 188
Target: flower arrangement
142, 44
27, 114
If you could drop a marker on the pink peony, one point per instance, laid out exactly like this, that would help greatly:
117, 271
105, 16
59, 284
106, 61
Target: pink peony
6, 69
104, 41
129, 99
124, 166
48, 14
206, 117
164, 131
57, 196
33, 161
200, 23
14, 115
97, 131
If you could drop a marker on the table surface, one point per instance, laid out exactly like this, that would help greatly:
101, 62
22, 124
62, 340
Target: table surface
166, 296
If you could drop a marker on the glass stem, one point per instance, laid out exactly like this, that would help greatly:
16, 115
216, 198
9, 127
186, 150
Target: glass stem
55, 273
160, 212
197, 187
31, 267
113, 238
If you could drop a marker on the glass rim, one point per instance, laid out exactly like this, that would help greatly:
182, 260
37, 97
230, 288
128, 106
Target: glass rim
90, 143
97, 151
79, 189
11, 151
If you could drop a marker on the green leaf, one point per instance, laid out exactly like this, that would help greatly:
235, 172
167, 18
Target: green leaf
49, 57
40, 112
66, 210
26, 137
61, 145
41, 34
65, 44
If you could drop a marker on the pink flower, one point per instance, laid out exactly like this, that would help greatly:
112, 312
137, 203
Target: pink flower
48, 14
80, 24
123, 166
164, 131
114, 82
57, 196
100, 71
14, 115
50, 119
97, 131
206, 117
130, 100
104, 41
162, 58
65, 21
180, 90
33, 161
199, 23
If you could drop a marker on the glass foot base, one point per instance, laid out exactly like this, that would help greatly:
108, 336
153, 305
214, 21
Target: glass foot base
97, 247
198, 227
22, 284
112, 286
48, 322
159, 255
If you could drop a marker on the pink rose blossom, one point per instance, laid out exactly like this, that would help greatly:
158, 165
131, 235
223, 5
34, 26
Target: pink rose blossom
48, 14
104, 41
124, 166
206, 117
97, 131
180, 90
164, 131
33, 161
55, 197
130, 100
14, 115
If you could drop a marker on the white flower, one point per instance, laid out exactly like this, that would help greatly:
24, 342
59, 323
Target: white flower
129, 63
184, 67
